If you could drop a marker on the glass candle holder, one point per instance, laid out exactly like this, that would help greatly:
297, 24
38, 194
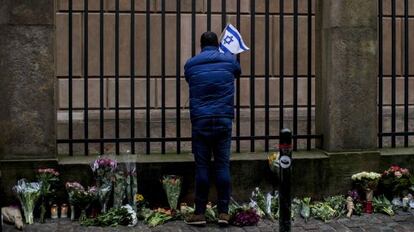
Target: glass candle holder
54, 211
64, 211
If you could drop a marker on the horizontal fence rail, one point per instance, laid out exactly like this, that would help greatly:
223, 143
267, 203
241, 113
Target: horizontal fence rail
395, 103
121, 83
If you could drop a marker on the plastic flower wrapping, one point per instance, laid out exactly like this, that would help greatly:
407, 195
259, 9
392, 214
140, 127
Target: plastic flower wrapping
48, 177
28, 194
125, 185
172, 187
103, 169
80, 197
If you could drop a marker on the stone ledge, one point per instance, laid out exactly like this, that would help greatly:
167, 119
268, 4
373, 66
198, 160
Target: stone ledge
183, 158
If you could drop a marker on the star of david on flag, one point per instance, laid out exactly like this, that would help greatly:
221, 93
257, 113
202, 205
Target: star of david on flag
231, 41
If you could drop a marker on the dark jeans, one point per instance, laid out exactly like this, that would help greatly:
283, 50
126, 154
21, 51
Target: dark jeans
212, 136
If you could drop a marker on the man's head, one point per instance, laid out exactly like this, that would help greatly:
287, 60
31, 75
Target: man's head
208, 38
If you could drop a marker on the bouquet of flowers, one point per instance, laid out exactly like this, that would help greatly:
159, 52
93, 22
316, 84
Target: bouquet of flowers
259, 203
245, 216
80, 197
125, 186
124, 216
103, 169
157, 217
172, 187
367, 181
383, 205
273, 160
139, 203
396, 181
28, 193
47, 177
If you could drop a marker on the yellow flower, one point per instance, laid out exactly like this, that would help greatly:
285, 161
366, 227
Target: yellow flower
139, 197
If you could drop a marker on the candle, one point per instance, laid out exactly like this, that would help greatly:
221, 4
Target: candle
64, 211
54, 211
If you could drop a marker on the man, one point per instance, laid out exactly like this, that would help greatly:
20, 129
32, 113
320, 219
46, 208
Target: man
210, 76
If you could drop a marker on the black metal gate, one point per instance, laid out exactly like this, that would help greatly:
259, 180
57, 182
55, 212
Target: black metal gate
277, 72
395, 122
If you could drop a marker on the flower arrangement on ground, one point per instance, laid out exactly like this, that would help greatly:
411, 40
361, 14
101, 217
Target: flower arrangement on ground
103, 169
242, 215
80, 197
47, 177
382, 205
396, 181
172, 187
125, 184
367, 182
28, 194
124, 216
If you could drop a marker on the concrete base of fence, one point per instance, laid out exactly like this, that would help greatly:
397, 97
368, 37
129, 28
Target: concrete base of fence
316, 173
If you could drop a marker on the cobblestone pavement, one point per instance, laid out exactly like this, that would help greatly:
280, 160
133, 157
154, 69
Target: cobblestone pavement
402, 221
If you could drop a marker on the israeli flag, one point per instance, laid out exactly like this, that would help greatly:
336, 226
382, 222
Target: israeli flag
231, 41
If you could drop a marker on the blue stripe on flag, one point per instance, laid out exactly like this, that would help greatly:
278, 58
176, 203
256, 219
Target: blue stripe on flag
224, 48
237, 37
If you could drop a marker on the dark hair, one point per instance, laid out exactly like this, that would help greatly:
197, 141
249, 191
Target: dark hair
208, 38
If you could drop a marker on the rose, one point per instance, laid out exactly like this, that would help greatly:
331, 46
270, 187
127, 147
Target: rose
405, 171
398, 174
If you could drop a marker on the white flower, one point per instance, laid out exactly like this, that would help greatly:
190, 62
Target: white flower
133, 215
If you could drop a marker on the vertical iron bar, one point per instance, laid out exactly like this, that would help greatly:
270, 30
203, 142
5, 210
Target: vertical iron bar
70, 69
406, 72
148, 76
208, 15
163, 134
117, 76
132, 63
178, 74
393, 78
295, 73
309, 93
381, 73
267, 75
193, 28
238, 87
281, 63
252, 75
85, 75
101, 75
285, 180
223, 14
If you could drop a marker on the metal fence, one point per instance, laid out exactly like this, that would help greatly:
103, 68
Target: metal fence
395, 122
285, 44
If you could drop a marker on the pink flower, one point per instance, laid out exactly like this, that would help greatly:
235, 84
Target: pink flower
395, 168
398, 174
405, 171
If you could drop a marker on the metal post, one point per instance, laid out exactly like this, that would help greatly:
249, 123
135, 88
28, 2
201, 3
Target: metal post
285, 169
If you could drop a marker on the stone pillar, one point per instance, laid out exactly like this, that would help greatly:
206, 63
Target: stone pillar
346, 74
27, 79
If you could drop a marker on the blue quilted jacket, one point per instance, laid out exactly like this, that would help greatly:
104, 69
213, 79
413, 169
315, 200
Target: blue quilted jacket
210, 76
